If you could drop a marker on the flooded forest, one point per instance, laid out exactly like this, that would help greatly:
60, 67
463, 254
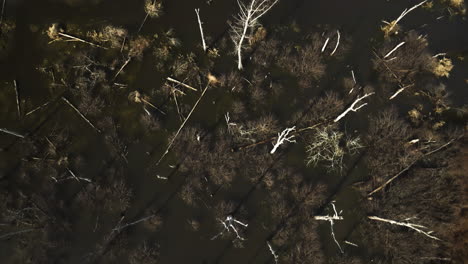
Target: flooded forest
233, 131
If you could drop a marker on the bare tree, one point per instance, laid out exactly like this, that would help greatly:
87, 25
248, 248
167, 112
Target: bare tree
388, 28
229, 223
331, 219
416, 227
273, 252
353, 106
284, 137
3, 10
325, 147
246, 22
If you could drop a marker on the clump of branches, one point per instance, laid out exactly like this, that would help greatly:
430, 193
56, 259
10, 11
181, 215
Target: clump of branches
115, 36
6, 36
400, 61
304, 61
253, 130
330, 146
153, 8
415, 217
165, 44
246, 22
145, 253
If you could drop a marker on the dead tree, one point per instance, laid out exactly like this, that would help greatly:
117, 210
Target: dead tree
405, 223
391, 25
153, 8
80, 114
325, 44
246, 21
182, 125
283, 137
197, 11
394, 49
17, 99
381, 187
353, 106
331, 219
273, 252
325, 147
228, 224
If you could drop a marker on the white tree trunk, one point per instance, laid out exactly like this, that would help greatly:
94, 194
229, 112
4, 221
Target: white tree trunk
247, 19
394, 49
283, 137
353, 107
197, 11
415, 227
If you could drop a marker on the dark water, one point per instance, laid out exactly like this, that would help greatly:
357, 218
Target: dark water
359, 20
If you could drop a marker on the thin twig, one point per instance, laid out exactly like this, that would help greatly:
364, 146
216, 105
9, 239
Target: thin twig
182, 125
181, 83
81, 115
325, 44
409, 167
197, 11
3, 9
142, 23
17, 233
80, 40
11, 132
17, 99
415, 227
337, 43
394, 49
37, 108
123, 66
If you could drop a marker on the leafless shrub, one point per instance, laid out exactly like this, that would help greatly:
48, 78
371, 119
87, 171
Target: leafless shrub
153, 8
145, 253
324, 108
251, 131
109, 34
304, 62
407, 61
326, 145
443, 67
386, 139
6, 35
165, 44
188, 194
266, 52
185, 68
137, 46
150, 123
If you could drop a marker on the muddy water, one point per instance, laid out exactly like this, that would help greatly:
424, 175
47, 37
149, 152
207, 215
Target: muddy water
359, 20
